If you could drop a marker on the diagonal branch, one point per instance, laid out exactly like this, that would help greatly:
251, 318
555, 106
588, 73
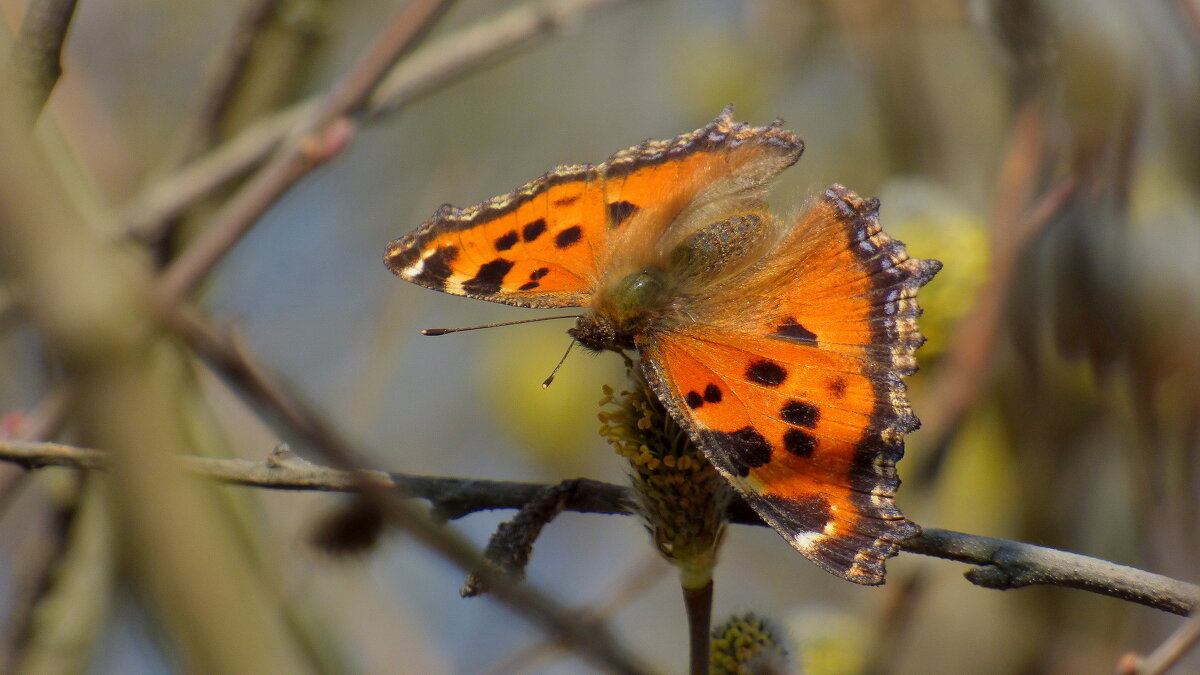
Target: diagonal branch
35, 63
1166, 655
424, 71
1001, 563
225, 76
314, 140
233, 361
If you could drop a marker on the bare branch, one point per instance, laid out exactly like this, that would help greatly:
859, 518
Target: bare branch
442, 62
471, 48
1002, 564
1166, 654
118, 313
35, 63
44, 421
313, 141
232, 359
225, 75
1006, 565
1019, 216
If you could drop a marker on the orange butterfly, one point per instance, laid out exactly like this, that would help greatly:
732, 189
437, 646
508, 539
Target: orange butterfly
778, 345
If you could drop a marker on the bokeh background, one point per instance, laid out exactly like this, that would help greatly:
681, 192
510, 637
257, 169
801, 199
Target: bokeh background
1048, 152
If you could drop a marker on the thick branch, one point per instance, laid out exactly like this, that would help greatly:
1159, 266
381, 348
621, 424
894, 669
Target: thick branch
1005, 564
36, 60
1002, 564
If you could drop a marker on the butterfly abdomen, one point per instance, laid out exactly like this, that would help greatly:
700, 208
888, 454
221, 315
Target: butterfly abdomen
721, 249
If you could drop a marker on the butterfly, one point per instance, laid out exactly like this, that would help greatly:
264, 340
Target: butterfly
778, 344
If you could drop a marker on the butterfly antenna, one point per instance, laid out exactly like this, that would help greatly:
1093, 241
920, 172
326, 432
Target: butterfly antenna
444, 331
561, 361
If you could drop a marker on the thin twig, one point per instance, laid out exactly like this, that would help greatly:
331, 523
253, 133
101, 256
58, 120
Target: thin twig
234, 362
1172, 649
1002, 564
224, 76
628, 586
1019, 216
42, 423
36, 61
315, 140
1190, 9
511, 545
435, 66
472, 47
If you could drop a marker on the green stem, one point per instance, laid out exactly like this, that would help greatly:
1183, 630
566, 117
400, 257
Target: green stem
698, 602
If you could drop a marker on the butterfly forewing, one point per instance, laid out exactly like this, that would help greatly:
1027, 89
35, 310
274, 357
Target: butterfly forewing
552, 242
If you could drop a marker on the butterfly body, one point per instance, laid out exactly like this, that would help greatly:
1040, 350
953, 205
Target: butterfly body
661, 294
778, 345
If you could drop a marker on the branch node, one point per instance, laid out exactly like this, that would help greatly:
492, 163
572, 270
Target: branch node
282, 457
321, 146
992, 576
1130, 663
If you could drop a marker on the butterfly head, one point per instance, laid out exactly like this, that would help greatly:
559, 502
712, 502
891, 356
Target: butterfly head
622, 311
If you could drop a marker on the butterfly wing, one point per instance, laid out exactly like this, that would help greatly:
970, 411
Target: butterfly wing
551, 242
796, 397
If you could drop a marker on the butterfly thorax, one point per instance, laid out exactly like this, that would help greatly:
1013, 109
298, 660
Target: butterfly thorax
659, 288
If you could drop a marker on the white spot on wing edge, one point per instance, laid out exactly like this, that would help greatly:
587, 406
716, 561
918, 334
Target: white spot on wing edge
807, 541
413, 270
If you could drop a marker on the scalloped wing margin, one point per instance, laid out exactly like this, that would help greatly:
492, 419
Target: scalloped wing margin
551, 243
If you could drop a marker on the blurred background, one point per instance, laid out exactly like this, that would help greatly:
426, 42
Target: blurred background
1048, 152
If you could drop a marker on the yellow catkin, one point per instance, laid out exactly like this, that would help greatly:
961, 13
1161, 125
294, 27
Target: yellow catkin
745, 644
682, 498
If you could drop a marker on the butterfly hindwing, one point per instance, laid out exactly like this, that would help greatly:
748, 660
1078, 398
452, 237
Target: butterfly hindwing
785, 424
798, 401
554, 241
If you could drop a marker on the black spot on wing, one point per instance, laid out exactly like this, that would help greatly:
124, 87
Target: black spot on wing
799, 442
566, 201
712, 393
489, 277
800, 413
528, 286
537, 274
837, 387
694, 400
533, 230
790, 328
767, 373
619, 212
742, 450
435, 269
568, 237
507, 241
